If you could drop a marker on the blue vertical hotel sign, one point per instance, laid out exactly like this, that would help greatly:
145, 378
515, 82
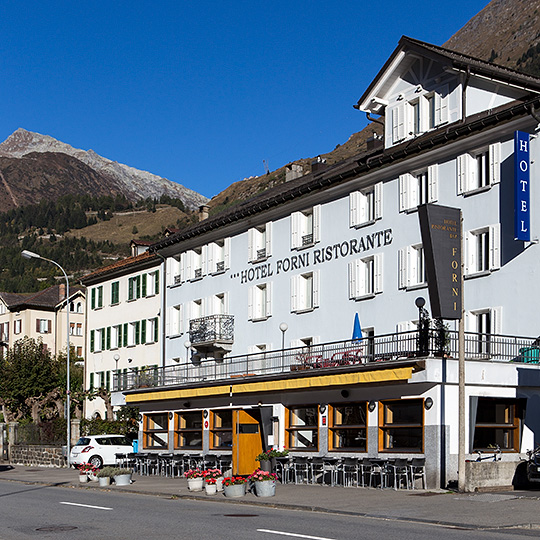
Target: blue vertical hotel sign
522, 187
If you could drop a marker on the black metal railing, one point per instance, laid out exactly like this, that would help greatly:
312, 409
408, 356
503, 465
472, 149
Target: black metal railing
211, 329
390, 348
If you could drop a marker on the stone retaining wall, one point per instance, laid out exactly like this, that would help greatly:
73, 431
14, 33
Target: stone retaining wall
42, 456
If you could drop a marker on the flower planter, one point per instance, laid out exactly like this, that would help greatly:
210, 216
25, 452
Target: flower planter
92, 477
104, 481
265, 489
195, 484
266, 465
122, 479
83, 478
236, 490
210, 489
219, 483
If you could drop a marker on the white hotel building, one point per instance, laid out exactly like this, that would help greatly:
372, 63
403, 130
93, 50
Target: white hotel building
259, 302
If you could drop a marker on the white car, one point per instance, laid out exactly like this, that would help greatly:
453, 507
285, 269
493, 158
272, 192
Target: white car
99, 450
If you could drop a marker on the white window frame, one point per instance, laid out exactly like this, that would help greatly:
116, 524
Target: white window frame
218, 256
98, 339
468, 180
174, 321
174, 270
195, 263
365, 206
491, 252
260, 301
473, 318
260, 243
17, 327
366, 277
116, 333
150, 329
305, 228
411, 263
305, 292
410, 191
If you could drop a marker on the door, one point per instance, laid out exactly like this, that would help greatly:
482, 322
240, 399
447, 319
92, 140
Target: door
247, 441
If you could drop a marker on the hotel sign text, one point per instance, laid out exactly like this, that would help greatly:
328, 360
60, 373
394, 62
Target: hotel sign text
522, 189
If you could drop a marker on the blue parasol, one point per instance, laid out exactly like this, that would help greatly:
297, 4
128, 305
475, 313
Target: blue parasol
357, 331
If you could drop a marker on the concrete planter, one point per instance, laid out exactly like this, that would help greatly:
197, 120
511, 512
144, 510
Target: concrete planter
104, 481
236, 490
122, 479
266, 488
195, 484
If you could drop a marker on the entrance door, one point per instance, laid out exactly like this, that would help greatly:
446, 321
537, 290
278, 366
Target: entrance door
247, 441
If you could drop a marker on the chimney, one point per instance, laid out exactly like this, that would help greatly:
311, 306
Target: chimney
203, 212
62, 291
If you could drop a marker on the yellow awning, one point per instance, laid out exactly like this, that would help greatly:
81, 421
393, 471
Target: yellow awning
321, 381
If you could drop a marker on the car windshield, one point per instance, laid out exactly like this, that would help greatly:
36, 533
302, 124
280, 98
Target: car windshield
83, 441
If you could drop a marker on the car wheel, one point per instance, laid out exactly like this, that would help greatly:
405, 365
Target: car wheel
96, 461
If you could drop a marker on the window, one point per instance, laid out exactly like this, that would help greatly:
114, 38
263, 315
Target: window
218, 256
174, 271
480, 170
194, 264
305, 228
418, 188
401, 425
152, 287
71, 329
188, 430
365, 206
116, 336
151, 331
348, 427
174, 321
133, 333
221, 429
43, 326
134, 288
302, 428
115, 292
260, 302
4, 331
412, 267
96, 297
79, 352
156, 430
305, 292
218, 304
365, 277
78, 329
497, 424
17, 326
482, 323
260, 242
483, 250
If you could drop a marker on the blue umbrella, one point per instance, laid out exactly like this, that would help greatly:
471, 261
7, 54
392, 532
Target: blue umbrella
357, 331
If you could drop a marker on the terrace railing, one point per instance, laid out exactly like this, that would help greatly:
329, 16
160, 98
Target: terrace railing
389, 348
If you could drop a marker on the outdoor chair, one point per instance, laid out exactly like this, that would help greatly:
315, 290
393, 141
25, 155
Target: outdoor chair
284, 469
376, 470
301, 468
350, 470
321, 467
399, 471
417, 469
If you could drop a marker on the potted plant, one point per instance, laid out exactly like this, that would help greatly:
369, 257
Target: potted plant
122, 477
267, 459
104, 476
210, 486
195, 479
84, 470
234, 486
265, 483
217, 475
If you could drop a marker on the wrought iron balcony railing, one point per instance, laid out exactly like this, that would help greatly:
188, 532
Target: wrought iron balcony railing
389, 348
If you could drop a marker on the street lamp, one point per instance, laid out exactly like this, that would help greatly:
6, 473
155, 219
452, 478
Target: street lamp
283, 327
31, 255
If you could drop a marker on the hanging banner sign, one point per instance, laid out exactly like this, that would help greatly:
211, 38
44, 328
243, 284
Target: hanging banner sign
441, 239
522, 224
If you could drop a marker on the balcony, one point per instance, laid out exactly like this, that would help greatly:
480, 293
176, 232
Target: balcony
383, 350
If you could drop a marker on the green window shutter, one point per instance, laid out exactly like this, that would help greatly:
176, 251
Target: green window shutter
100, 296
114, 293
108, 383
91, 343
143, 331
93, 299
156, 283
138, 285
103, 340
144, 277
108, 337
91, 382
130, 289
101, 375
125, 334
137, 333
156, 330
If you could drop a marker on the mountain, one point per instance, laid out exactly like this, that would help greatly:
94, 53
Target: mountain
37, 156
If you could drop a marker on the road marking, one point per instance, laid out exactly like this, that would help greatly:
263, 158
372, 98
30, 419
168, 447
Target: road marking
294, 534
87, 506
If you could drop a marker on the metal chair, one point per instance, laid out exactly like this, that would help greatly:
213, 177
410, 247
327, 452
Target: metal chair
350, 471
323, 467
284, 469
399, 471
376, 470
417, 469
210, 461
301, 468
225, 463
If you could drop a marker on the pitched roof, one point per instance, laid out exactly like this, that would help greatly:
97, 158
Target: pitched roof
47, 299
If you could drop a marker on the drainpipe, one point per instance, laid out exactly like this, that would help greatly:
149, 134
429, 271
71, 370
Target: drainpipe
464, 94
163, 306
371, 119
534, 114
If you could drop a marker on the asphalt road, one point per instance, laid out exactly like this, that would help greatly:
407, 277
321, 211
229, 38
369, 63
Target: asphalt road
30, 511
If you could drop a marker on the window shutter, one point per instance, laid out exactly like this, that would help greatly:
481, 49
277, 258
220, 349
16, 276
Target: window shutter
211, 258
108, 344
49, 326
143, 331
496, 320
169, 264
100, 296
354, 208
204, 258
38, 326
156, 282
316, 223
156, 329
137, 332
378, 194
295, 230
93, 298
131, 283
125, 334
252, 254
227, 253
353, 274
433, 181
377, 269
294, 293
183, 261
470, 252
91, 381
495, 246
268, 243
189, 265
108, 380
495, 163
404, 189
441, 105
138, 282
402, 261
398, 123
316, 288
91, 340
268, 307
144, 284
169, 323
103, 339
464, 169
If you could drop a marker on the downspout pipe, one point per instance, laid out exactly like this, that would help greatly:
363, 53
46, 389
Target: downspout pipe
464, 95
163, 306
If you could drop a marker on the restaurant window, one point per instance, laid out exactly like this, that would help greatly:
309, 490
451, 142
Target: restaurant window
497, 424
302, 428
188, 430
221, 429
156, 430
401, 425
348, 427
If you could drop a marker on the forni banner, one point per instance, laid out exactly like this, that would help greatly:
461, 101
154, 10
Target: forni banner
522, 225
440, 227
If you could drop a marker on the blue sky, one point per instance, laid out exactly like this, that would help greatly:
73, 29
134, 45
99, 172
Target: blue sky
203, 92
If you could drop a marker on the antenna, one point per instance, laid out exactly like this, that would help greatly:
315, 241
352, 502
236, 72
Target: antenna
265, 163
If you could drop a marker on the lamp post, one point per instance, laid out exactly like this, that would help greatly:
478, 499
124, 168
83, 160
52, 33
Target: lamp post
422, 334
31, 255
283, 327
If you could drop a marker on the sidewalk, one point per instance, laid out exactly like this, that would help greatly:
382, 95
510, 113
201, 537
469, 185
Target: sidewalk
477, 511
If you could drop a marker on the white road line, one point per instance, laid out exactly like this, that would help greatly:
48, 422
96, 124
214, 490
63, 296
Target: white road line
294, 534
87, 506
